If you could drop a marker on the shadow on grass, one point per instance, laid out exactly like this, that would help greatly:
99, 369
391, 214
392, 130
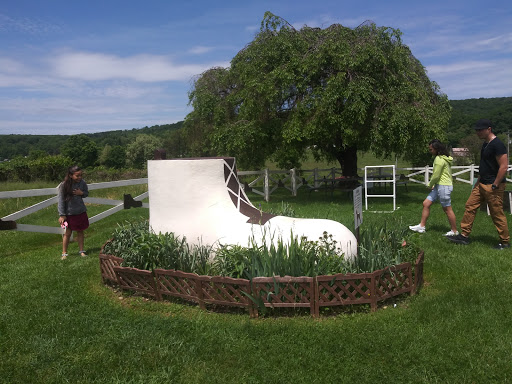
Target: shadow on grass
94, 250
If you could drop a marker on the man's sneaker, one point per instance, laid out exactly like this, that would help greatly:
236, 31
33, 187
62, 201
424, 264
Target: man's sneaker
417, 228
451, 233
502, 246
459, 239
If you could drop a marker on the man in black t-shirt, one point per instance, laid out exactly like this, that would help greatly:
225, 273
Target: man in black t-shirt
489, 187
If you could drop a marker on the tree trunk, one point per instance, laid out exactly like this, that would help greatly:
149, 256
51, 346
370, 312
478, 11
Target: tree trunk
347, 158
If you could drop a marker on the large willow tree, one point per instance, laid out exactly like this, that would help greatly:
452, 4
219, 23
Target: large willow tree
333, 91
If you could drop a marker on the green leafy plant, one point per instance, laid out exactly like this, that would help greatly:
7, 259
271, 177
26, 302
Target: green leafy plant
299, 257
143, 249
381, 246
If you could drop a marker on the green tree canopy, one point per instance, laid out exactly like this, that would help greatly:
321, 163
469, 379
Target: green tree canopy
141, 150
175, 144
334, 90
113, 156
81, 149
466, 112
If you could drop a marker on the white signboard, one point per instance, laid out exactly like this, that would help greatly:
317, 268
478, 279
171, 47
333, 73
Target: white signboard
358, 206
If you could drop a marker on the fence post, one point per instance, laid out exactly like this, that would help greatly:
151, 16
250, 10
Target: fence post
427, 176
266, 186
199, 291
294, 182
315, 177
472, 174
316, 297
373, 292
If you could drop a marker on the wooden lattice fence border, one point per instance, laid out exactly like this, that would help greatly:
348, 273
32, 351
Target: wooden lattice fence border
138, 280
107, 264
273, 292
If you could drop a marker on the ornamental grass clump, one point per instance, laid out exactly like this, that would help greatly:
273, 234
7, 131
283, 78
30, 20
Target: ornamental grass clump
301, 257
381, 247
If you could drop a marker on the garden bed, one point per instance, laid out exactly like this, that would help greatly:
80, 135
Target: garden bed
270, 292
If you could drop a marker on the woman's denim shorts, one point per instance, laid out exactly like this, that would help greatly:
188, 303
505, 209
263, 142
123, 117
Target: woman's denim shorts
441, 193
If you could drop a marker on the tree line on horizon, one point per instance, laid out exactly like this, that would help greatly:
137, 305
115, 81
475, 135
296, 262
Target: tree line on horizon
171, 137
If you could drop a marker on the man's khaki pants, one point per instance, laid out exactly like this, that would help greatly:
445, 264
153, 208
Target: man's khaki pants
481, 194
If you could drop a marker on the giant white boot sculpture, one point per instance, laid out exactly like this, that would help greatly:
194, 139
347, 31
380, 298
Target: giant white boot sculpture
202, 200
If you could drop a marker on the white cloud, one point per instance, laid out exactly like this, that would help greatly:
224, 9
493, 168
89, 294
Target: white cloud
450, 45
7, 80
474, 79
460, 68
200, 50
77, 92
91, 102
11, 66
252, 28
501, 42
86, 113
73, 127
145, 68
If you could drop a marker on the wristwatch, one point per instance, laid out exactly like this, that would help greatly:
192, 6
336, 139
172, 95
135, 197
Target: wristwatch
494, 186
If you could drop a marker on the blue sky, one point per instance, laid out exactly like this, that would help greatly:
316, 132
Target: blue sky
69, 67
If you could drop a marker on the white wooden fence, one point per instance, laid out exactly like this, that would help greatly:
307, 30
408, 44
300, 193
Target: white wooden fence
266, 181
118, 204
263, 182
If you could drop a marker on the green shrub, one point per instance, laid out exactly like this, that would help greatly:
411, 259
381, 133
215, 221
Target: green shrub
124, 236
54, 168
143, 249
25, 169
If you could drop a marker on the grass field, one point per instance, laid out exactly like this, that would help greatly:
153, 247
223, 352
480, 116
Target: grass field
60, 324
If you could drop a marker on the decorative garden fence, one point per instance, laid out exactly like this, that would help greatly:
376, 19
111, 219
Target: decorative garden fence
270, 292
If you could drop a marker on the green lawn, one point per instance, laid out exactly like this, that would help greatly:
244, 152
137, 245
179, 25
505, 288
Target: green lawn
60, 324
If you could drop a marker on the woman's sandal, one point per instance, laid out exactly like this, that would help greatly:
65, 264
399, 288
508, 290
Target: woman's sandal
82, 253
64, 256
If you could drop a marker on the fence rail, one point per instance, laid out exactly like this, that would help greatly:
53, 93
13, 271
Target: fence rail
263, 182
9, 222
